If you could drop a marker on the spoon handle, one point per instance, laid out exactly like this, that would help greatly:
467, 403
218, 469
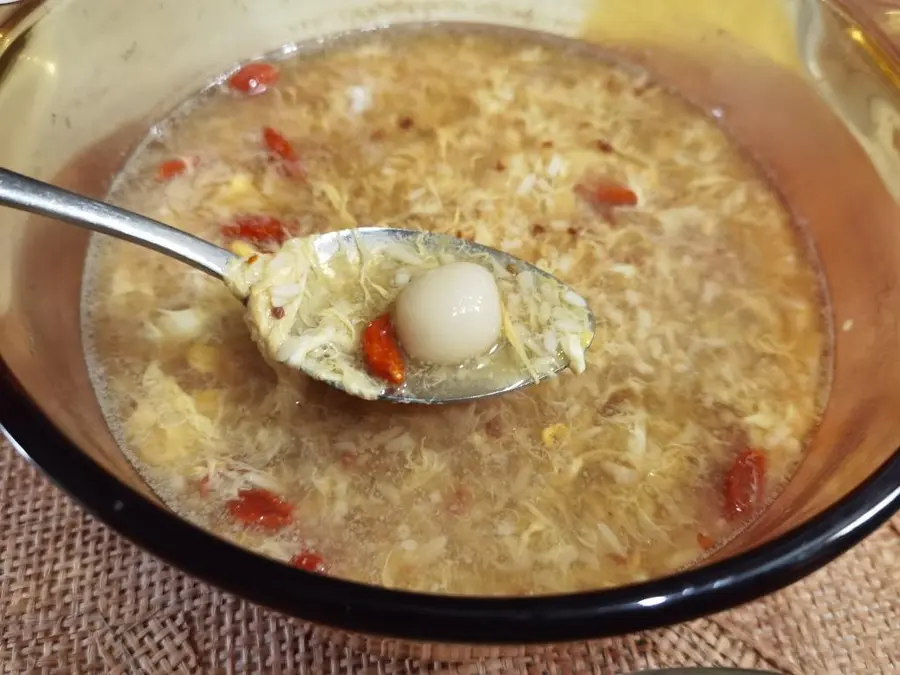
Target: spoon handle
28, 194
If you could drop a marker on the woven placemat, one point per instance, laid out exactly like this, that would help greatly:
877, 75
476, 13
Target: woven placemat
77, 599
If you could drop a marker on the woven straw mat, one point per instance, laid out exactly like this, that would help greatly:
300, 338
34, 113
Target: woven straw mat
77, 599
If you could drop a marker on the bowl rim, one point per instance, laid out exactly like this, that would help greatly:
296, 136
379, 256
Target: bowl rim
422, 617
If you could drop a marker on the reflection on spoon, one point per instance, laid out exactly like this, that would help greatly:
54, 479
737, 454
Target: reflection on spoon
381, 313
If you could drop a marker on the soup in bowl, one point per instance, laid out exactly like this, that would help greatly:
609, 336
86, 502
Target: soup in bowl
733, 394
711, 355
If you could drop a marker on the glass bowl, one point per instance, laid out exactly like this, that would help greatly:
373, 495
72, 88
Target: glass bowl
808, 87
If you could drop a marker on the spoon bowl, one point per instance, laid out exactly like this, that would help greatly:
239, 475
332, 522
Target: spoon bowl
28, 194
330, 244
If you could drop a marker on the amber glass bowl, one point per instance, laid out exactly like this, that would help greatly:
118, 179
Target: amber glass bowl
809, 88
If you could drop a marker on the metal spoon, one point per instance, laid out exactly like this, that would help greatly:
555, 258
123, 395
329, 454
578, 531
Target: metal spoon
28, 194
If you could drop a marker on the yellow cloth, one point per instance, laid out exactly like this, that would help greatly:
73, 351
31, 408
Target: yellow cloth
765, 26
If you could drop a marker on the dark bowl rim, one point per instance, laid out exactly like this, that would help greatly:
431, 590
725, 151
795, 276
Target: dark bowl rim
423, 617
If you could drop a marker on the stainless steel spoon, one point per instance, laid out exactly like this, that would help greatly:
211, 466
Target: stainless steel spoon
28, 194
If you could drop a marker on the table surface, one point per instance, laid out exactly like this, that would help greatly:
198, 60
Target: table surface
75, 598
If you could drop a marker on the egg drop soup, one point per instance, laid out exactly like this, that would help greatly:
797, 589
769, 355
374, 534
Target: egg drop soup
706, 376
